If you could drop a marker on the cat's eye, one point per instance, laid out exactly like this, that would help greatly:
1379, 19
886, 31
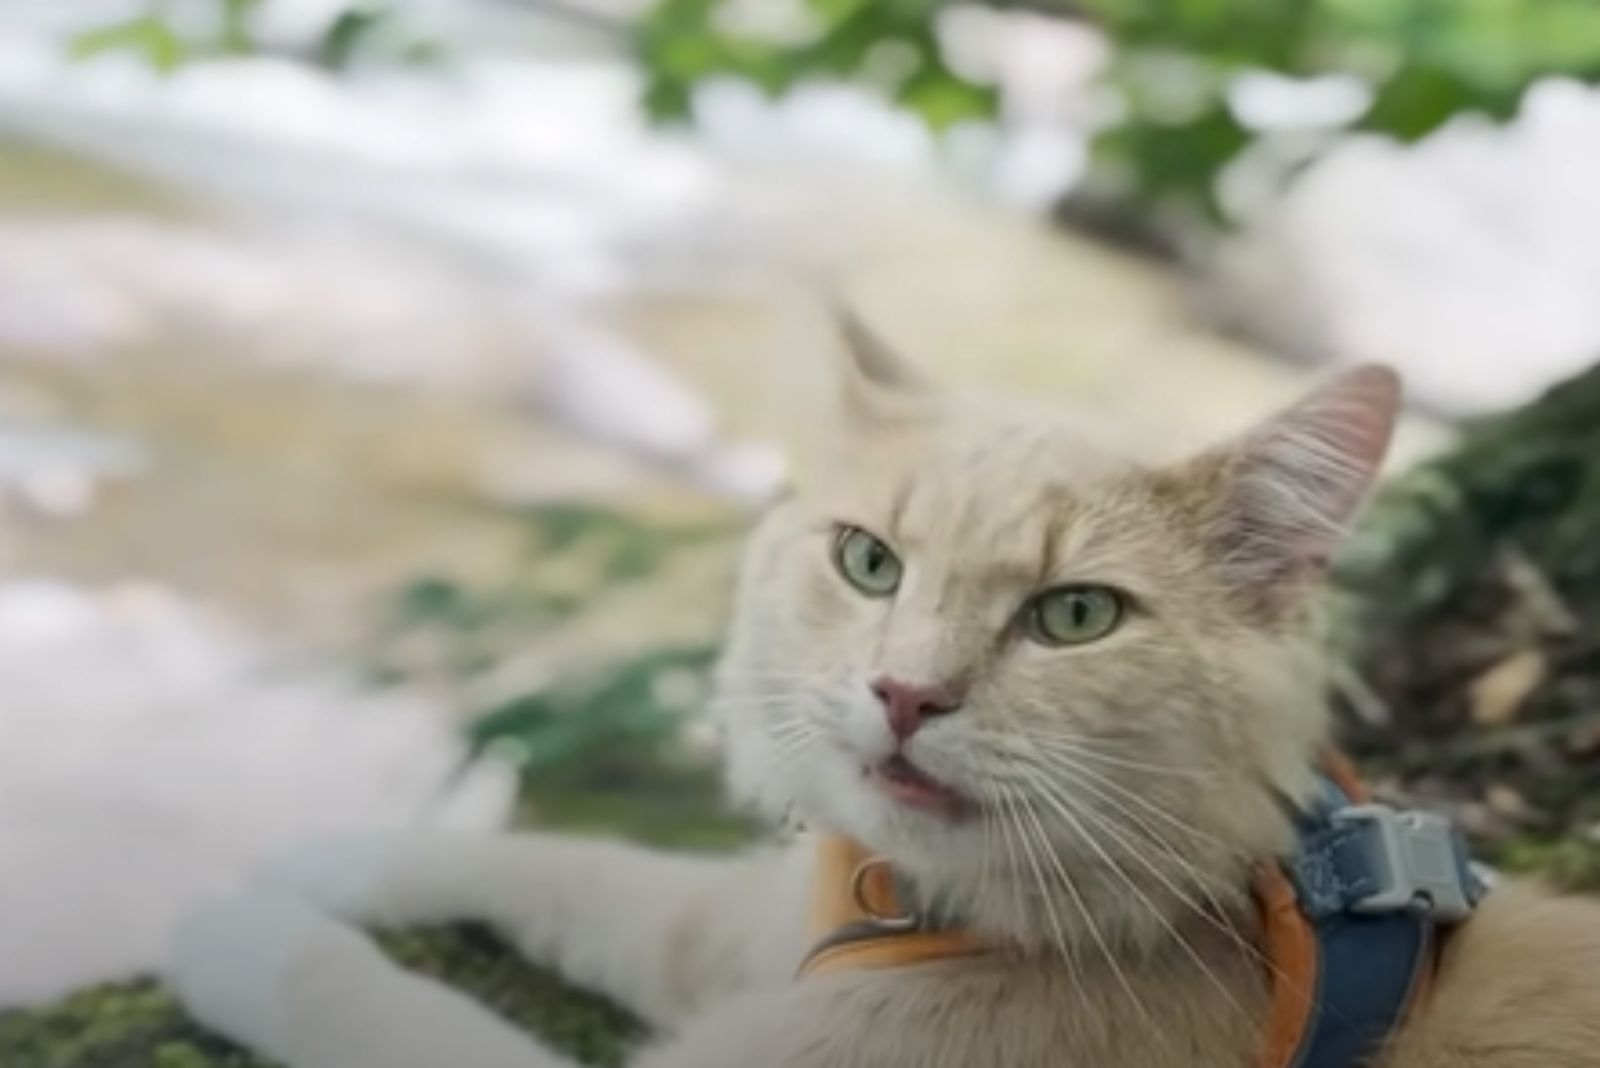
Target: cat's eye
1073, 615
866, 562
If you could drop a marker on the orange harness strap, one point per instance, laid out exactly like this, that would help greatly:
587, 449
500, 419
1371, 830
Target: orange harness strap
851, 896
1290, 947
854, 909
1288, 942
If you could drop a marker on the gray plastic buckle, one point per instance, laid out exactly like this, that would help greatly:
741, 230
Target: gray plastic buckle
1416, 863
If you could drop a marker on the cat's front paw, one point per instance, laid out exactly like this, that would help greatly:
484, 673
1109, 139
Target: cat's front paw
241, 966
354, 877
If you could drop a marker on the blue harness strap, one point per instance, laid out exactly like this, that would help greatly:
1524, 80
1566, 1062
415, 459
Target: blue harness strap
1375, 885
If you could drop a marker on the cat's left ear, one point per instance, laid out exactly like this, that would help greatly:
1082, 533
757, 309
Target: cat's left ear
877, 384
1280, 500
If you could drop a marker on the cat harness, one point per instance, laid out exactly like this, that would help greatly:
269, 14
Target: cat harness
1350, 926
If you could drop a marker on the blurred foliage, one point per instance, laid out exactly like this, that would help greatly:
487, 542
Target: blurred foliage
363, 31
147, 36
576, 557
1168, 130
631, 702
683, 42
590, 738
1473, 616
1172, 131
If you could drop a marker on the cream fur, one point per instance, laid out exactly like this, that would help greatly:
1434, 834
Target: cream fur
1125, 788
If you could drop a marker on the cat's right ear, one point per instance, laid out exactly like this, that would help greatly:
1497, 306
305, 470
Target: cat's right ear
876, 384
1275, 504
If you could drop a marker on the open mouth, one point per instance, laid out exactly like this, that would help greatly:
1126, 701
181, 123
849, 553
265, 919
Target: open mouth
910, 785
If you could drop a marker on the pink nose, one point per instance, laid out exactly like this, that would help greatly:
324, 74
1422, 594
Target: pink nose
907, 706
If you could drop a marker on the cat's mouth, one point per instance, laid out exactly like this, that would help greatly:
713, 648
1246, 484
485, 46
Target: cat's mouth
910, 785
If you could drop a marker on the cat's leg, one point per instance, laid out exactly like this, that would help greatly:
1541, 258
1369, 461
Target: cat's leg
1518, 987
273, 973
270, 971
662, 934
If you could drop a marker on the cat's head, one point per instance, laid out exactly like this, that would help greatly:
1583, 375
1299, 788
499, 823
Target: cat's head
975, 630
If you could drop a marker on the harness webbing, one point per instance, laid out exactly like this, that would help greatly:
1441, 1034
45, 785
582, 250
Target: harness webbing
1342, 980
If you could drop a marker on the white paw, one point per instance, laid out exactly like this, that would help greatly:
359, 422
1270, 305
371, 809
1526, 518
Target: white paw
349, 876
240, 965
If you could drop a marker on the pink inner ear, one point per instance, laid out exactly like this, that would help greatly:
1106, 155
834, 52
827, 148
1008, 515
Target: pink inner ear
1360, 408
1303, 475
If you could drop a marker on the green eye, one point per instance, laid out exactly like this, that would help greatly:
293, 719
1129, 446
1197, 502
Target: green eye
866, 563
1073, 615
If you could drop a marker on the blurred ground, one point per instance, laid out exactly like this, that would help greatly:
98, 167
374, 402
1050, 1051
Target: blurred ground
1473, 605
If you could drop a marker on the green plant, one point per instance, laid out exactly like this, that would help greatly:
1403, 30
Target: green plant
364, 28
594, 738
1424, 60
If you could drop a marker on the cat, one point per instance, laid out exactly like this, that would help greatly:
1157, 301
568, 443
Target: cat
1061, 693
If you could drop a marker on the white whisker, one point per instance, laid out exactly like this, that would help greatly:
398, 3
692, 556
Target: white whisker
1030, 852
1086, 913
1212, 917
1081, 747
1001, 816
1155, 837
1065, 762
1063, 807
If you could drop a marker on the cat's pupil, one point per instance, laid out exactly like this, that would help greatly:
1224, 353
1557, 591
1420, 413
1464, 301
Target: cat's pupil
1080, 611
875, 558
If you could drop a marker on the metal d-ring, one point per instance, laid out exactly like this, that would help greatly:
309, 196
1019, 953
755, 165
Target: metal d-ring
905, 921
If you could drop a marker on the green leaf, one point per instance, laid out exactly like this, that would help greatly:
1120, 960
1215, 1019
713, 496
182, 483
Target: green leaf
147, 36
944, 100
556, 728
1419, 99
235, 37
348, 34
838, 10
942, 97
432, 599
1177, 162
844, 46
667, 99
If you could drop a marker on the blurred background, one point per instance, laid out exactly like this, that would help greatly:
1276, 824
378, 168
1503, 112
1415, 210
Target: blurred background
385, 386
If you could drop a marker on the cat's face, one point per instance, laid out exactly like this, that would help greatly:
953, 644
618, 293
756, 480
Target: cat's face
977, 630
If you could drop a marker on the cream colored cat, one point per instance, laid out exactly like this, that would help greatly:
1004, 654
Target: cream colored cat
1064, 694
